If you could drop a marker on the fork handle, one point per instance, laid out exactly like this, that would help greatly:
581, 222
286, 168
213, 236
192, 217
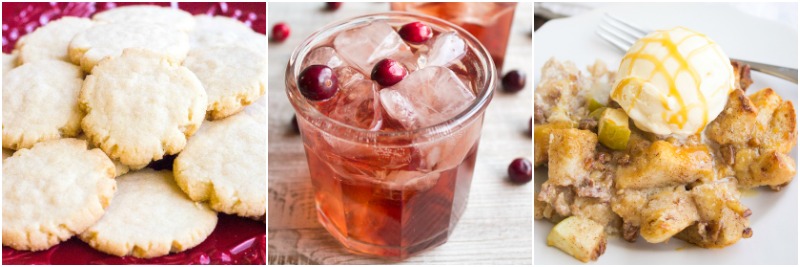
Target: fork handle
788, 74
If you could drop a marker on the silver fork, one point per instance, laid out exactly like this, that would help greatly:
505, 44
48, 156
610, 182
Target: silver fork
623, 34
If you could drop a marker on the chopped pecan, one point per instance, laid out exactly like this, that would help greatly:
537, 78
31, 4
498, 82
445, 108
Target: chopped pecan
747, 233
747, 213
630, 232
741, 72
728, 153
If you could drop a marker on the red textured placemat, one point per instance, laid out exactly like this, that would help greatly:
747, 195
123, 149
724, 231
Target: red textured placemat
234, 241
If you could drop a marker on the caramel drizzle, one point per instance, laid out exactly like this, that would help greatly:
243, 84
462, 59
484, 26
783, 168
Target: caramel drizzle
681, 117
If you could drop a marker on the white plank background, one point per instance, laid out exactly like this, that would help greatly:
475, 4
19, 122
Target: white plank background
497, 225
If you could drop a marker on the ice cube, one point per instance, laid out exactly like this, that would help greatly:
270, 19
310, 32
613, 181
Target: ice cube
426, 97
411, 180
364, 46
445, 50
356, 103
448, 153
347, 75
322, 56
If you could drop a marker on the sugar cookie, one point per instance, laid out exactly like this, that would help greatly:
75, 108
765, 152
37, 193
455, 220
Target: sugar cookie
40, 102
140, 107
51, 40
53, 191
110, 39
150, 217
225, 163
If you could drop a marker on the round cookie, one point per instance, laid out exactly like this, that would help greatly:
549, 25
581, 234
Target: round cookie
150, 217
140, 107
168, 17
233, 77
53, 191
110, 39
51, 40
225, 163
40, 102
9, 62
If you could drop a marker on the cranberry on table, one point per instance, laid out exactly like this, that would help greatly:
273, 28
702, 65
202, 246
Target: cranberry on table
513, 81
280, 32
332, 6
415, 32
317, 82
295, 126
520, 171
388, 72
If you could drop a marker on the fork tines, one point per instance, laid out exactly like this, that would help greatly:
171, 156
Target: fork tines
619, 33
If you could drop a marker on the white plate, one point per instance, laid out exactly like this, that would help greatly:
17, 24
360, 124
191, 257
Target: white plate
774, 219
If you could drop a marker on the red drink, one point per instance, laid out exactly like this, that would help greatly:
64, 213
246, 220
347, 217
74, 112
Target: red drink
392, 165
489, 22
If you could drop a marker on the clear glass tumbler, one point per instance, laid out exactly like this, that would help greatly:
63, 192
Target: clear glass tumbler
392, 193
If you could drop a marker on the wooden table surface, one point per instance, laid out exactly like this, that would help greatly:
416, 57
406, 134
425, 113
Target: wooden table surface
496, 227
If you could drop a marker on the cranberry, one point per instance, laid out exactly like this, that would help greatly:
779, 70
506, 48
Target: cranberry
520, 171
295, 126
317, 82
388, 72
416, 32
514, 81
332, 6
280, 32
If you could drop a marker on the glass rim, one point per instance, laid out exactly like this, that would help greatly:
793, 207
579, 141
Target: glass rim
304, 108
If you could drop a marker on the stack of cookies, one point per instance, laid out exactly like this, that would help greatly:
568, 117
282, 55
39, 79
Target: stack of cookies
88, 104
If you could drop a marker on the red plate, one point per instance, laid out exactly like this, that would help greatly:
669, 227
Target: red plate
234, 241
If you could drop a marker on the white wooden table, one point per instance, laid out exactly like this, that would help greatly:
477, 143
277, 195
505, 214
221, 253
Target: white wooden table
496, 228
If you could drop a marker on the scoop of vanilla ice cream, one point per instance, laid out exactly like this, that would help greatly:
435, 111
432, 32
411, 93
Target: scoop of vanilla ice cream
673, 82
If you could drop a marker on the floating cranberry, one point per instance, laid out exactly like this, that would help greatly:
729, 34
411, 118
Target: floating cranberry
333, 6
514, 81
416, 32
317, 82
520, 171
388, 72
280, 32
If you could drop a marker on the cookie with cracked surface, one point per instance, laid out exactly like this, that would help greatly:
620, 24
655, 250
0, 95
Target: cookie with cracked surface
140, 107
52, 191
103, 40
51, 40
225, 163
150, 217
165, 16
233, 77
40, 102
